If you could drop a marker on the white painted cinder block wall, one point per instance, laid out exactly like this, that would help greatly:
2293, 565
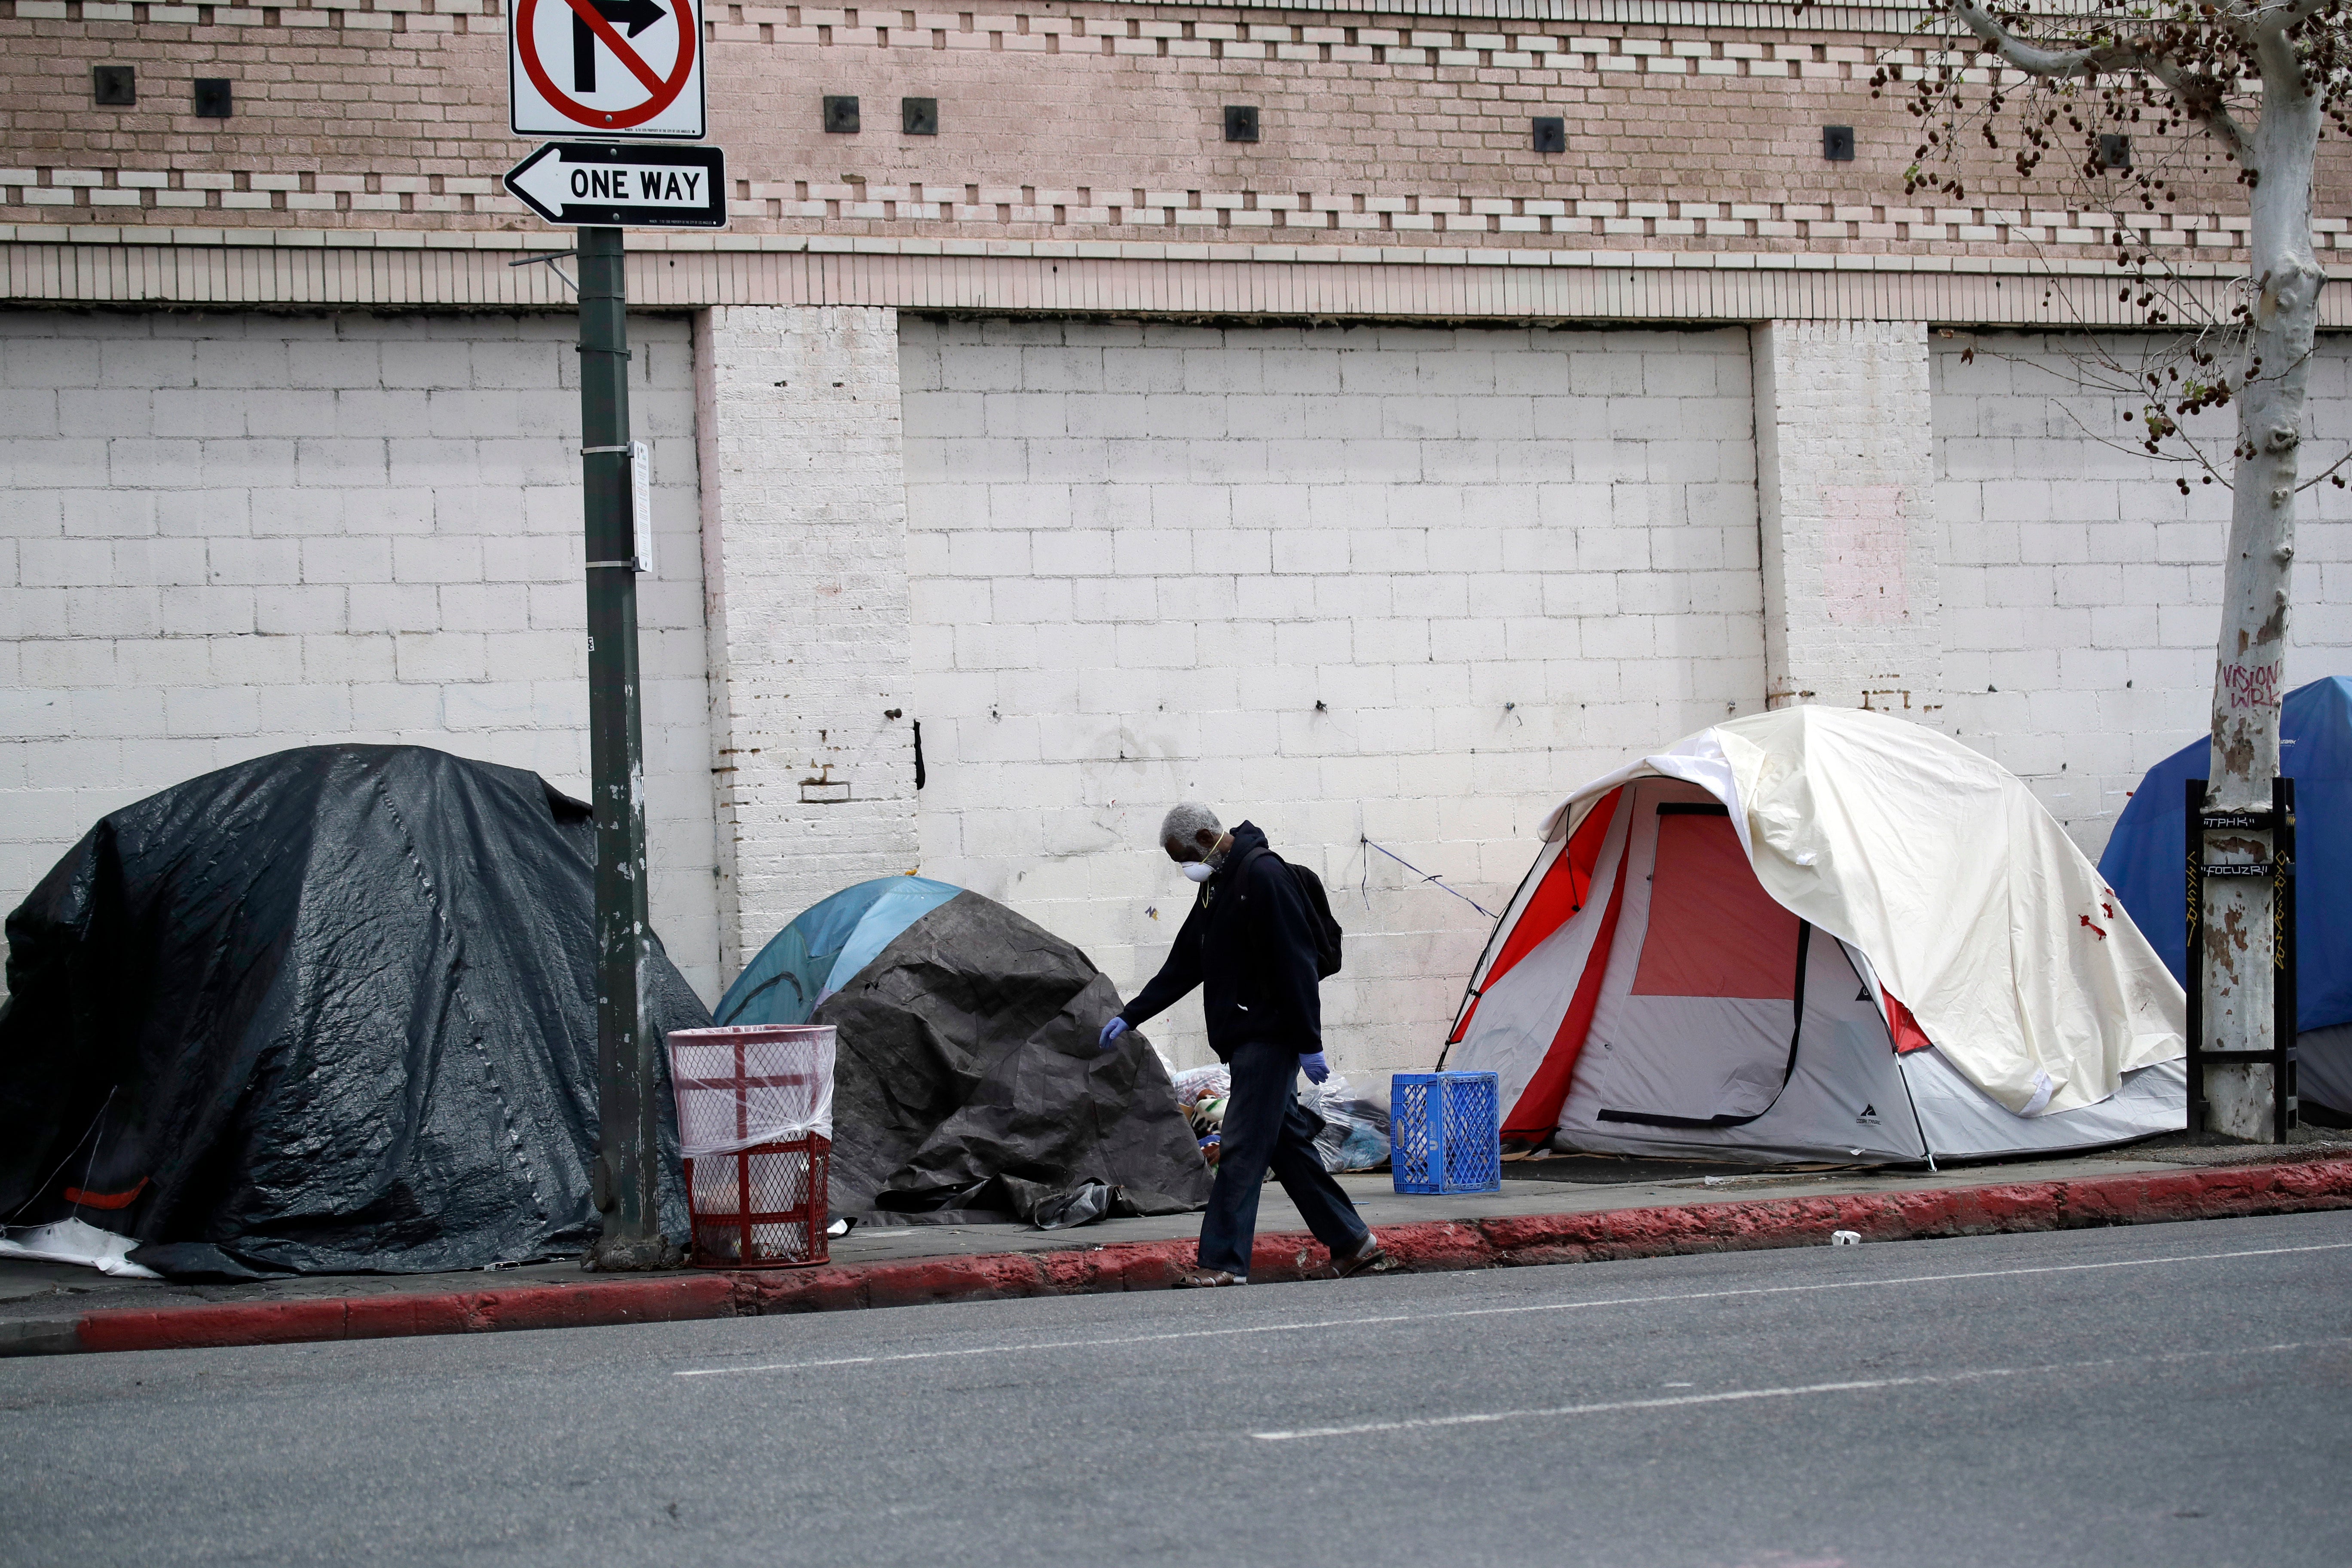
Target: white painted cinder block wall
804, 555
1403, 583
2080, 587
1136, 559
229, 534
1846, 500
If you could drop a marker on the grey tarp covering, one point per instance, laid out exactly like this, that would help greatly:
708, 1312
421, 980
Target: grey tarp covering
329, 1010
968, 1081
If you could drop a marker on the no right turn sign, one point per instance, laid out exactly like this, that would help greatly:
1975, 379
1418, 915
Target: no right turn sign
612, 67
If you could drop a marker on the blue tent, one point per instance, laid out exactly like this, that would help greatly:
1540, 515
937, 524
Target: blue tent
815, 956
968, 1082
2144, 859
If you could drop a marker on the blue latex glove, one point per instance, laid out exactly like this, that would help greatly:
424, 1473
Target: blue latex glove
1110, 1033
1313, 1065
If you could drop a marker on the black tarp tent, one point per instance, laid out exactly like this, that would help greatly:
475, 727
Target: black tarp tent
966, 1083
330, 1010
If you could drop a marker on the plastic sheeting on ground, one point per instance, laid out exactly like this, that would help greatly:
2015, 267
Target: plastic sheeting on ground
967, 1084
1355, 1135
71, 1241
332, 1010
1356, 1123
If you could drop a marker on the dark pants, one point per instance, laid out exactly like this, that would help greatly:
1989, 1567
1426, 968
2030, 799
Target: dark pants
1265, 1128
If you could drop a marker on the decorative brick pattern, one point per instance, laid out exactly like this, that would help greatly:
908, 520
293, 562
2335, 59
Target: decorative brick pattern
1699, 137
1082, 279
119, 195
1400, 584
804, 541
230, 534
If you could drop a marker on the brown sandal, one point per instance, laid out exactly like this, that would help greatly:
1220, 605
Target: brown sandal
1207, 1280
1369, 1259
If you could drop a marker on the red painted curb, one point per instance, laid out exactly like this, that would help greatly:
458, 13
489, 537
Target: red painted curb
2222, 1193
668, 1299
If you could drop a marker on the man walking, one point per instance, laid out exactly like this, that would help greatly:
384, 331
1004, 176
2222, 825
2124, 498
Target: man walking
1249, 943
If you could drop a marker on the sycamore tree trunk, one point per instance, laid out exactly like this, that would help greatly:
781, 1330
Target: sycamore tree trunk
2235, 951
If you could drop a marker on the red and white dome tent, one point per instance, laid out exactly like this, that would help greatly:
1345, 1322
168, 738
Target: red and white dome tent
1820, 933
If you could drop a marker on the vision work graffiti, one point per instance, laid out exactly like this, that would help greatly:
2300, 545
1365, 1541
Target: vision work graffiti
2252, 685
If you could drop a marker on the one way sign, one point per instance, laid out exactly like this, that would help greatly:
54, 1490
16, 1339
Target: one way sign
600, 184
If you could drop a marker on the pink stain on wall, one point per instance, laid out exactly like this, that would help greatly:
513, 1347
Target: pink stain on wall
1861, 563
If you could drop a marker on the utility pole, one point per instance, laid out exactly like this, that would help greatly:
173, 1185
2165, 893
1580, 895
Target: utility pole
598, 189
628, 1165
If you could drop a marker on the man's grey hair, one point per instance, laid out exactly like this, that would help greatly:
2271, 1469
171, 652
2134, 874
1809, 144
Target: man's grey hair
1186, 820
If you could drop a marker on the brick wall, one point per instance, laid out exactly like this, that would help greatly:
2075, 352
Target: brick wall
230, 534
2081, 589
1405, 584
1092, 121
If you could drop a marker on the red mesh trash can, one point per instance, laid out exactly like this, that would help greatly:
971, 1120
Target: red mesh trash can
755, 1123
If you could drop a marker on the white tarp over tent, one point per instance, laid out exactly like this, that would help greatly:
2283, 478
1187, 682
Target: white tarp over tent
1722, 944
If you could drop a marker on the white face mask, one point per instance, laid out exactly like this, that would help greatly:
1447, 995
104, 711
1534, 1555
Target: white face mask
1197, 870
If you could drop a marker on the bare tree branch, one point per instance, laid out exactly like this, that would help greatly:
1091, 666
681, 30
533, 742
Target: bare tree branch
2218, 119
2327, 473
2292, 15
2276, 51
2104, 60
2248, 25
2037, 61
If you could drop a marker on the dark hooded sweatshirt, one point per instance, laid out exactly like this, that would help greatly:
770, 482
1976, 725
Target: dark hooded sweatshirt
1251, 949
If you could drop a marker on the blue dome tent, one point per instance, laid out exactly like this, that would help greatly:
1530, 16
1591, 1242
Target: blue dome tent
2143, 863
832, 940
967, 1081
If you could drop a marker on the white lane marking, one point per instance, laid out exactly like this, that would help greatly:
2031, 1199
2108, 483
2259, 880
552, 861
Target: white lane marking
1053, 1345
1292, 1328
1860, 1386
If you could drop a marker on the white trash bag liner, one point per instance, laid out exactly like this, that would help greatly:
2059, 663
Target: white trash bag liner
763, 1084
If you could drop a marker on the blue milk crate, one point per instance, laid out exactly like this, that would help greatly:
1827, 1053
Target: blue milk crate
1446, 1132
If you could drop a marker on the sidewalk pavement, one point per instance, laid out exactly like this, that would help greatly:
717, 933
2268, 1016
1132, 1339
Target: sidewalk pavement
1552, 1211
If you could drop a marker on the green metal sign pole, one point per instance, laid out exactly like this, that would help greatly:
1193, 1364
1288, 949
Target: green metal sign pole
627, 1189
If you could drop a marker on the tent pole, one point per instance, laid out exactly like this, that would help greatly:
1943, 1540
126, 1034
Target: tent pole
1903, 1077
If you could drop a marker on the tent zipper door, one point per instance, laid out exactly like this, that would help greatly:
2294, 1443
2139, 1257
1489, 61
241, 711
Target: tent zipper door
1697, 1034
1787, 1070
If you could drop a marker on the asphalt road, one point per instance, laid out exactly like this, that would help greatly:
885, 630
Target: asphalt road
2163, 1395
